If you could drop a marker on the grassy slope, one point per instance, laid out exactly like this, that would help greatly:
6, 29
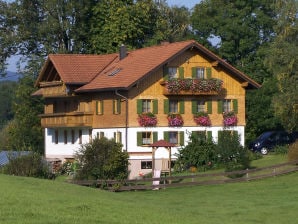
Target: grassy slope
28, 200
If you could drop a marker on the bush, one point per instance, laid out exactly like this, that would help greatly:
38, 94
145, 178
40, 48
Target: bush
293, 151
31, 165
281, 149
102, 159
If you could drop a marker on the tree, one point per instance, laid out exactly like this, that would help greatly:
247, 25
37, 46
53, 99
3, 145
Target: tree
283, 62
102, 158
6, 94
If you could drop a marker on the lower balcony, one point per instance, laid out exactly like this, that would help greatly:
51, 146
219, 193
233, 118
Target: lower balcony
73, 119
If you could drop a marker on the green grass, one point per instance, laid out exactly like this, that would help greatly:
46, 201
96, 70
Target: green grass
27, 200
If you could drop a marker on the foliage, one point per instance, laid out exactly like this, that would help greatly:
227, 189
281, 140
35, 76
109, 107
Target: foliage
6, 94
231, 153
293, 151
229, 118
31, 165
175, 120
202, 118
147, 119
194, 85
199, 153
102, 159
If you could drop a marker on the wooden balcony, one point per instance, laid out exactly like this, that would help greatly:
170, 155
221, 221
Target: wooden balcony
183, 92
73, 119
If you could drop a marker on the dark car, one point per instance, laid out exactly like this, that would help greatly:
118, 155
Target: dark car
268, 140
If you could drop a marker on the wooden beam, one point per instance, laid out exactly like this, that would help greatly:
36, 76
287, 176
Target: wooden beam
244, 84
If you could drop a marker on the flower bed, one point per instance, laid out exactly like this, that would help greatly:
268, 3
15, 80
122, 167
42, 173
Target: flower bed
175, 120
194, 85
147, 119
229, 118
202, 118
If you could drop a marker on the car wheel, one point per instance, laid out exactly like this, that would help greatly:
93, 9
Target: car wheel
264, 151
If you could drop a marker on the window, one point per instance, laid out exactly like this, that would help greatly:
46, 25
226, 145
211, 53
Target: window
228, 105
201, 106
117, 106
202, 135
118, 137
147, 105
173, 106
72, 136
174, 137
65, 136
99, 107
173, 72
100, 134
146, 138
56, 136
146, 164
200, 73
80, 136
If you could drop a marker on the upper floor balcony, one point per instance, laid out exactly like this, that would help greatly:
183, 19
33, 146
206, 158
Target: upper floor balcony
178, 86
72, 119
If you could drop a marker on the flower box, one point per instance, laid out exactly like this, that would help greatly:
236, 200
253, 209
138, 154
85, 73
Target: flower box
147, 119
175, 120
202, 119
229, 118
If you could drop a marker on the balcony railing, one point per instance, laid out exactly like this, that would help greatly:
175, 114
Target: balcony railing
73, 119
211, 86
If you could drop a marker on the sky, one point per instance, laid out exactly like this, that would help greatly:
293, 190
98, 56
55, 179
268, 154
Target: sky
187, 3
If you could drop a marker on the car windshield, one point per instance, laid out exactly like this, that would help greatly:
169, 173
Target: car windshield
265, 135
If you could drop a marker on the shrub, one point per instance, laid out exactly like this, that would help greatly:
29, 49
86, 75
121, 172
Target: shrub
31, 165
281, 149
293, 151
102, 159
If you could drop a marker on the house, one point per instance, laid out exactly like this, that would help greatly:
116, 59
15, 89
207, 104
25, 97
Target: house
138, 97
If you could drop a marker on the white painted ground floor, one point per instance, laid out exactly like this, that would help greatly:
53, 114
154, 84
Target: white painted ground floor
62, 143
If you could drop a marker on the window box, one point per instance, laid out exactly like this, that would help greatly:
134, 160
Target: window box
229, 118
147, 119
202, 119
175, 120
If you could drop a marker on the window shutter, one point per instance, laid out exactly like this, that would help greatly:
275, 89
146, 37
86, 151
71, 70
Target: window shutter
139, 106
194, 104
154, 136
194, 72
166, 106
101, 106
181, 138
166, 136
219, 107
235, 106
208, 71
115, 135
139, 138
181, 72
181, 106
155, 106
97, 107
209, 136
120, 137
209, 107
165, 73
119, 106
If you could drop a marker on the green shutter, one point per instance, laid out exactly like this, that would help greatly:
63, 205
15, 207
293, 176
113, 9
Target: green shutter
155, 136
114, 112
181, 138
120, 137
235, 106
139, 106
96, 107
209, 107
181, 106
139, 138
194, 108
219, 107
208, 71
165, 73
119, 106
155, 106
181, 72
101, 106
209, 136
194, 72
166, 136
115, 134
166, 106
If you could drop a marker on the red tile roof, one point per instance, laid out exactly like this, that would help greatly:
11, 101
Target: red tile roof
102, 72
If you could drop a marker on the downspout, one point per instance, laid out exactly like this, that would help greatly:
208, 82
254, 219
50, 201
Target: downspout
126, 116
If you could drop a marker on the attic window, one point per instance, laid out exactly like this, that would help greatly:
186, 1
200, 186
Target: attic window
114, 72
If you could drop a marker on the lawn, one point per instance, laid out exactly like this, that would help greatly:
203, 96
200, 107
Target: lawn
28, 200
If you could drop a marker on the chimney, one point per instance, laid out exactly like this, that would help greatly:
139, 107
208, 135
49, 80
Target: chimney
122, 52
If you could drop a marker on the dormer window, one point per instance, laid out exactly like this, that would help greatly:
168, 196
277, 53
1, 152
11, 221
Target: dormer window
173, 72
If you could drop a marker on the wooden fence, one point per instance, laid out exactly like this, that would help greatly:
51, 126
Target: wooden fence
192, 180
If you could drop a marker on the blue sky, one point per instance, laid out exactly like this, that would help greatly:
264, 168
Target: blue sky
187, 3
